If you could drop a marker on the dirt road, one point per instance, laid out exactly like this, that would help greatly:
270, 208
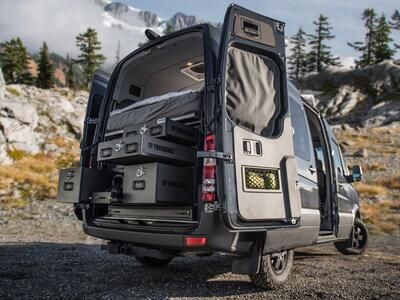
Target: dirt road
74, 271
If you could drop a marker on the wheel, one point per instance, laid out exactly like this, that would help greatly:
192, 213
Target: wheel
274, 270
358, 242
153, 262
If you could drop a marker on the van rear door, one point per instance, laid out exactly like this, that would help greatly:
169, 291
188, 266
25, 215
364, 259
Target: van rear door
96, 97
261, 186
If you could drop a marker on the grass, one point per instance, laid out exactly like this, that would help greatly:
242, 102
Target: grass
375, 167
16, 154
382, 217
13, 91
35, 176
369, 190
392, 182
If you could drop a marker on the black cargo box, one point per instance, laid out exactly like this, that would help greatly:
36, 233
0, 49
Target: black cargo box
168, 130
76, 184
158, 183
143, 148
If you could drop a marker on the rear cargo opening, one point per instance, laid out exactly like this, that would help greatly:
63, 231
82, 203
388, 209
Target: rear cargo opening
153, 133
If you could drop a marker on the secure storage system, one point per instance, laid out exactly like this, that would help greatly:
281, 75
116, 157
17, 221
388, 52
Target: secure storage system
144, 148
158, 183
76, 184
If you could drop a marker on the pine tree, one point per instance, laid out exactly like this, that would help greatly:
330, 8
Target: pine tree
382, 48
14, 61
89, 58
320, 55
367, 47
45, 79
298, 58
168, 29
395, 24
69, 72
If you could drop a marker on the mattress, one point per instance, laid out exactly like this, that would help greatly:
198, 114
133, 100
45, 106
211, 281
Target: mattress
166, 106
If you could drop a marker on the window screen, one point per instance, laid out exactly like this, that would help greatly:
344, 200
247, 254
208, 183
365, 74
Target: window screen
337, 160
301, 141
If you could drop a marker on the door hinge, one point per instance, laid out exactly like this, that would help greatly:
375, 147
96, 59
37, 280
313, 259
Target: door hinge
210, 88
92, 121
213, 207
228, 157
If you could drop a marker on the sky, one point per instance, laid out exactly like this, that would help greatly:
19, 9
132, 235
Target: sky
344, 15
58, 22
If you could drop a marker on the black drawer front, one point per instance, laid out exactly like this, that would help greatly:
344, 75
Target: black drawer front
167, 130
76, 184
143, 148
154, 183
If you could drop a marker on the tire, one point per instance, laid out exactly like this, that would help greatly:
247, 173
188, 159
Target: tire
152, 262
274, 270
358, 242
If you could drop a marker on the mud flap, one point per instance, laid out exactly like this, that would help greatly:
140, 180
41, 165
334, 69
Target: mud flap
249, 264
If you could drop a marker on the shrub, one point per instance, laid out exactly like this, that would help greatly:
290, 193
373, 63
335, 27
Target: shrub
13, 91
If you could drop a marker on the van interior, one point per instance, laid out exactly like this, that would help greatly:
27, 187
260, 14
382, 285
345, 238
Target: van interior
163, 83
321, 163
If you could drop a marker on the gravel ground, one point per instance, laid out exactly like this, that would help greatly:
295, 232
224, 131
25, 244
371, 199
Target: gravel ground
74, 271
65, 264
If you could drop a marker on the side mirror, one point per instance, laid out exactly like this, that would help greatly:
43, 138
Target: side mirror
356, 174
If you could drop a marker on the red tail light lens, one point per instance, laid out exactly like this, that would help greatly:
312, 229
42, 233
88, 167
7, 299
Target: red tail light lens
191, 241
209, 171
209, 144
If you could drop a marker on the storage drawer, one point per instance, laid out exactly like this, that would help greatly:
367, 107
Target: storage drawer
142, 149
167, 130
76, 184
158, 183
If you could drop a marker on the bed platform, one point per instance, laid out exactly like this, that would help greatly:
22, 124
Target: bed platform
185, 107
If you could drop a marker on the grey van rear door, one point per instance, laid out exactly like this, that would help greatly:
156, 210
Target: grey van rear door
261, 186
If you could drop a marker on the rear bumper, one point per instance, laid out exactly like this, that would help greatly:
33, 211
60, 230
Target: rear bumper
154, 240
218, 237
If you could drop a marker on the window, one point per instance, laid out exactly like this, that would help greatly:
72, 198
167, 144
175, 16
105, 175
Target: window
337, 159
301, 141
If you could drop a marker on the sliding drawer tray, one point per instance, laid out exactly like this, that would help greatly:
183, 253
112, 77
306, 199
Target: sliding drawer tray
143, 148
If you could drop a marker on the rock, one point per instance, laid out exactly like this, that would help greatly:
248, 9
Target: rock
366, 96
30, 118
361, 153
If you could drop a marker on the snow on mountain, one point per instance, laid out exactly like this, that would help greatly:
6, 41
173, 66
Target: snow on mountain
59, 22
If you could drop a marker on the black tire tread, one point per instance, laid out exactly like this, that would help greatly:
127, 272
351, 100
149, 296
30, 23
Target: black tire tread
344, 248
266, 279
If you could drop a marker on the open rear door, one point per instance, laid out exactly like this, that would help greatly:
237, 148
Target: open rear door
96, 97
257, 127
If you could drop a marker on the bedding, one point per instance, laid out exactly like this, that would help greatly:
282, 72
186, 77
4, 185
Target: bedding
150, 109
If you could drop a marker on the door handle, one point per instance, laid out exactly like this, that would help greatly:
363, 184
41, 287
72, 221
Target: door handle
312, 170
341, 185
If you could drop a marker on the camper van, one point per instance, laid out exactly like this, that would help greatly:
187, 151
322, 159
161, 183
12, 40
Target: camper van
198, 144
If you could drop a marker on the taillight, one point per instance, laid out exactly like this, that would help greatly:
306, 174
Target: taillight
191, 241
209, 171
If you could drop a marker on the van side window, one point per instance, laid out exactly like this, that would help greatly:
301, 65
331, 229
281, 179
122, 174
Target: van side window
337, 159
301, 141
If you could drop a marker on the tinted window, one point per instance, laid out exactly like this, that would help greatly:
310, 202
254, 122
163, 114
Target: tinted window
301, 140
337, 159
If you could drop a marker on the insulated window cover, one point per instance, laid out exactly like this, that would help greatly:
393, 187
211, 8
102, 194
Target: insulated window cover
252, 90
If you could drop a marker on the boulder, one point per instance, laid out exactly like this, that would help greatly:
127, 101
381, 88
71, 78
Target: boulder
361, 153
